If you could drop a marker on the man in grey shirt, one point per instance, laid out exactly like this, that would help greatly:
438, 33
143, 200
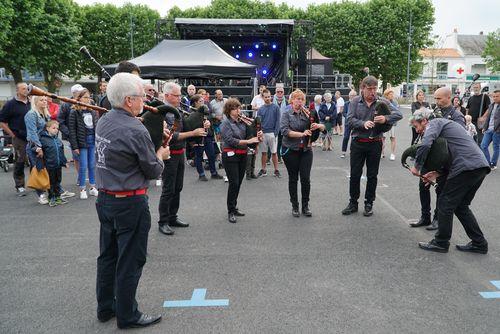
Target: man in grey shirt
217, 104
491, 131
466, 170
125, 162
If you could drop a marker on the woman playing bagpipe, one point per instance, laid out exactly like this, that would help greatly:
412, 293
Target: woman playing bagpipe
236, 135
299, 128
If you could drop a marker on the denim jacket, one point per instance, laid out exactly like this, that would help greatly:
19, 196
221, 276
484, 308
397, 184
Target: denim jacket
35, 123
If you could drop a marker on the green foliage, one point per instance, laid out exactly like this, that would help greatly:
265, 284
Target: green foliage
6, 16
491, 53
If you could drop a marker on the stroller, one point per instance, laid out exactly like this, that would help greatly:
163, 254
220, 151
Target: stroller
6, 152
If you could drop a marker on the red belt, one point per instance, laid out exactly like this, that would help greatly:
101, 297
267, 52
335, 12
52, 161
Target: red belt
369, 140
237, 151
301, 145
181, 151
126, 193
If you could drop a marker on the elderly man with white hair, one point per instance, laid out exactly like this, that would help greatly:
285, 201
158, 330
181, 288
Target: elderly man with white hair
126, 162
464, 172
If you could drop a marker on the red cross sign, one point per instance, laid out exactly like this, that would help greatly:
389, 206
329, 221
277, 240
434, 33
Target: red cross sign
460, 70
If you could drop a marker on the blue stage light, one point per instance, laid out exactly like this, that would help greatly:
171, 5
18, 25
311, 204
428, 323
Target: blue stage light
256, 46
274, 46
264, 71
239, 47
250, 54
237, 56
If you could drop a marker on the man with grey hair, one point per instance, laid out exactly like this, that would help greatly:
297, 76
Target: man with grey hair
464, 173
126, 161
366, 145
217, 104
186, 100
476, 106
173, 173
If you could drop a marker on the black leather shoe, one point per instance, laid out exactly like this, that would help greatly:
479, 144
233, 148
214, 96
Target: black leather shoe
433, 246
238, 213
305, 211
144, 321
351, 208
178, 223
216, 177
105, 316
249, 177
253, 176
368, 210
295, 211
202, 178
165, 229
434, 224
424, 221
231, 218
470, 247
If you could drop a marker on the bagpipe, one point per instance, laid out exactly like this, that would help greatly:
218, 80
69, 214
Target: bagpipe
313, 117
194, 120
381, 109
253, 127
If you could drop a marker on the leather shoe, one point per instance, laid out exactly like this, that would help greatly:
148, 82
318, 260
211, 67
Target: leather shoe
368, 210
238, 213
144, 321
295, 211
424, 221
105, 316
306, 211
472, 248
434, 224
178, 223
433, 246
351, 208
231, 217
165, 229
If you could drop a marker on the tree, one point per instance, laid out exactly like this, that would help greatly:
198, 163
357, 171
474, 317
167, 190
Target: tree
106, 31
56, 52
19, 37
491, 53
6, 16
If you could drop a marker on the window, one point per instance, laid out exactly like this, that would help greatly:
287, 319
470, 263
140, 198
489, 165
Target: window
441, 68
479, 68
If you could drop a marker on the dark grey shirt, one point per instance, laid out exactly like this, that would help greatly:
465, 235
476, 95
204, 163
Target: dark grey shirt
465, 154
453, 114
292, 121
125, 156
232, 132
359, 113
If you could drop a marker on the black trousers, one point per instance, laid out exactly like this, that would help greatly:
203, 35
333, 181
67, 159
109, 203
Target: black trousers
298, 164
455, 198
55, 178
123, 240
425, 196
20, 158
235, 171
173, 180
362, 153
250, 165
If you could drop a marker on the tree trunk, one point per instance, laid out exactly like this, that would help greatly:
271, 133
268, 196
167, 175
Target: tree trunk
50, 82
16, 73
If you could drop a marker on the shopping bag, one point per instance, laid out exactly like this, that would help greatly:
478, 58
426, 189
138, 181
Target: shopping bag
39, 179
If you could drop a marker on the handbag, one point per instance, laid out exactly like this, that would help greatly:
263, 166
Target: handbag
39, 179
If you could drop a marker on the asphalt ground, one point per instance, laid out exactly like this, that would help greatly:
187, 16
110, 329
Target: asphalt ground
325, 274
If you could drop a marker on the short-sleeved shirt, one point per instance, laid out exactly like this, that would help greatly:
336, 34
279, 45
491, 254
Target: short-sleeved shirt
217, 107
340, 103
257, 101
13, 113
474, 105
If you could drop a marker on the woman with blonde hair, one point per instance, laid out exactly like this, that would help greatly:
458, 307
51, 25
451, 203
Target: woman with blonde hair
81, 126
35, 121
389, 95
298, 134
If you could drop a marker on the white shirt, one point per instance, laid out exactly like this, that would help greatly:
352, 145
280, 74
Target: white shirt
340, 103
257, 102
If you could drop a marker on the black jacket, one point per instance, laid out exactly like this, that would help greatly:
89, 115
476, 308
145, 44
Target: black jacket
53, 151
63, 119
77, 129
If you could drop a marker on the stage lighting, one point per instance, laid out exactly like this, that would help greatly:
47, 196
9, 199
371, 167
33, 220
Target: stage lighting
264, 71
274, 46
250, 54
268, 55
237, 56
233, 47
256, 46
261, 55
239, 47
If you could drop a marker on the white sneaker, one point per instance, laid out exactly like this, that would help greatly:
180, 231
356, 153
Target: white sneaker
67, 194
42, 199
342, 156
21, 191
83, 194
158, 183
393, 157
93, 191
226, 179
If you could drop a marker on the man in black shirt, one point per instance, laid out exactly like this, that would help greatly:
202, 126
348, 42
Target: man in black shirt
12, 123
477, 106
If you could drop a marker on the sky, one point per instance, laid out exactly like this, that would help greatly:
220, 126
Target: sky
468, 16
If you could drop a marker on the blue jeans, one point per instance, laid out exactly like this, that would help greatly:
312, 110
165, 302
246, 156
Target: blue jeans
87, 161
209, 149
491, 136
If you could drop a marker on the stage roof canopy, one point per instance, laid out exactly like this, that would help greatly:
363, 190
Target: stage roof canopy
189, 59
190, 28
